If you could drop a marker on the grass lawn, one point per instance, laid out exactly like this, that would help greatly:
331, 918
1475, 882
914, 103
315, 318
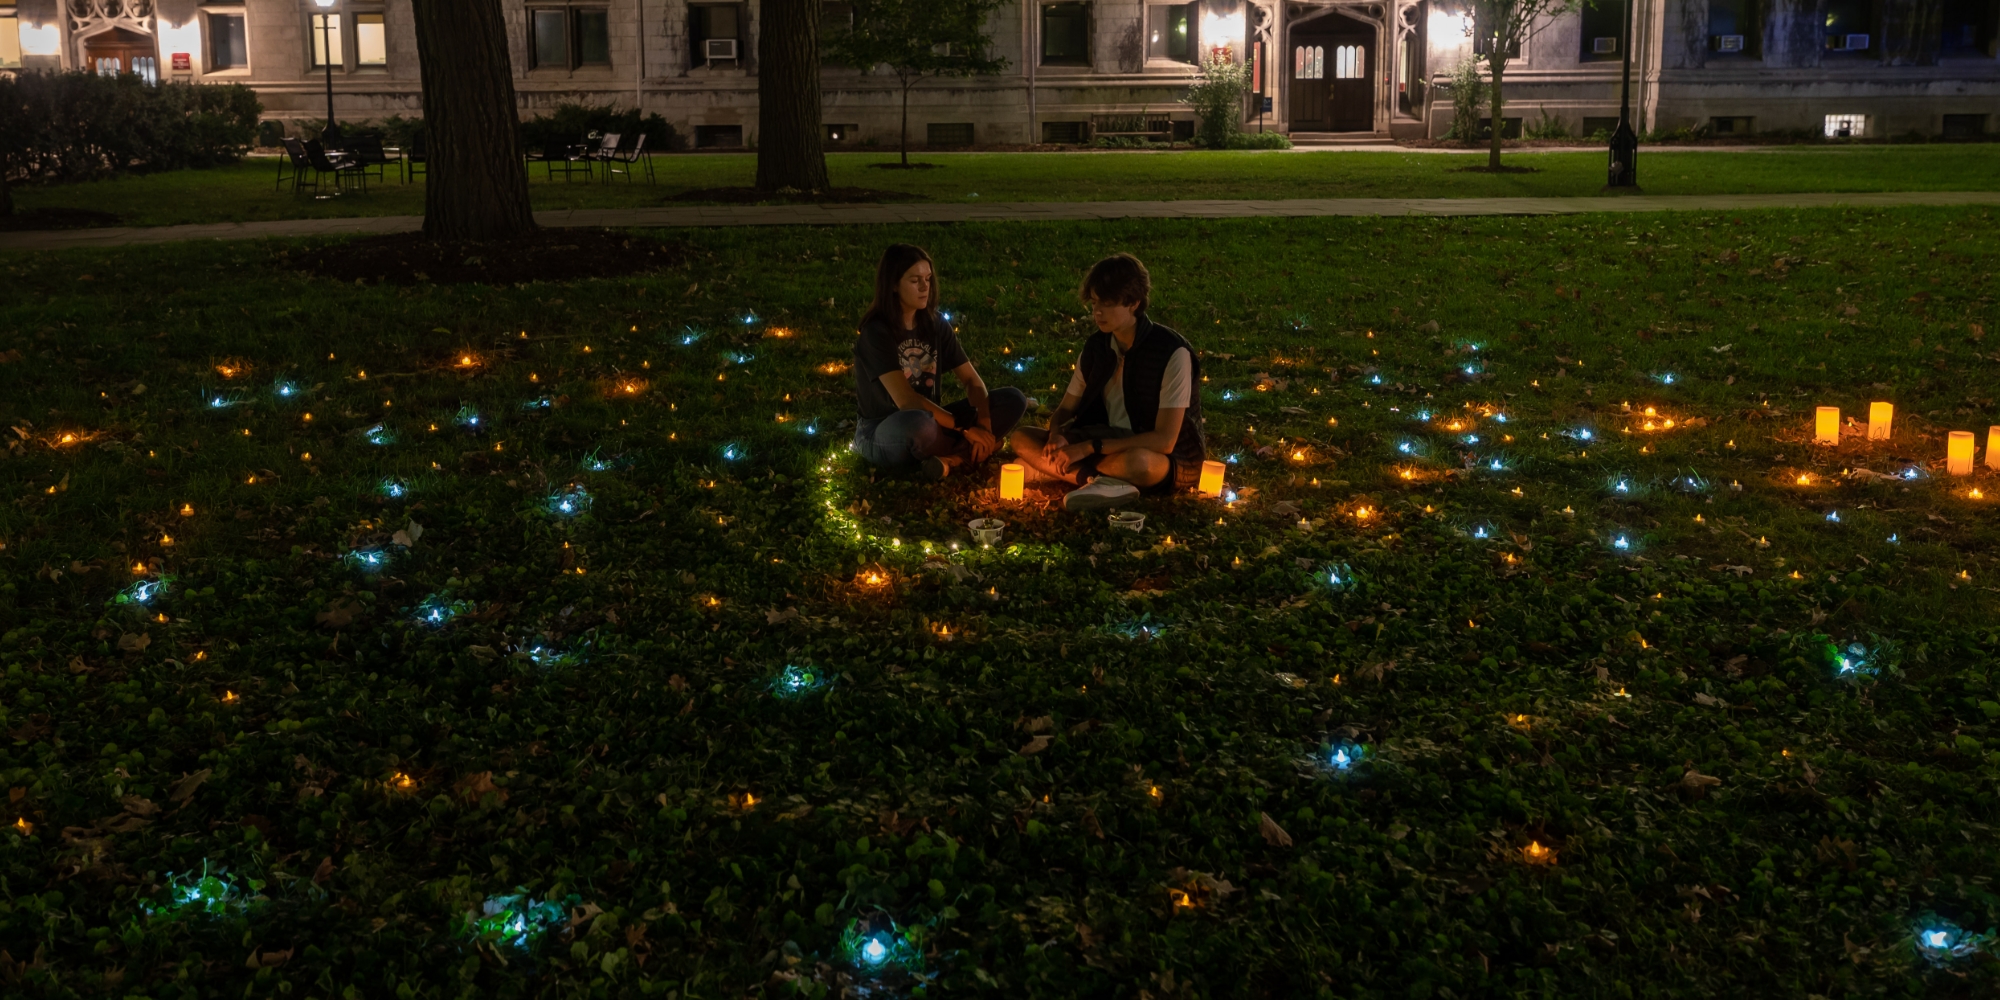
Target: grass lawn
244, 192
637, 685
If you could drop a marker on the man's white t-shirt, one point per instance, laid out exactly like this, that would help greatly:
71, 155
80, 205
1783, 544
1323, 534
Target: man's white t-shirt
1176, 386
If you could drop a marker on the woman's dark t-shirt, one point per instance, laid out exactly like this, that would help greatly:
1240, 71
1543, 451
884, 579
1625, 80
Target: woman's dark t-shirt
879, 350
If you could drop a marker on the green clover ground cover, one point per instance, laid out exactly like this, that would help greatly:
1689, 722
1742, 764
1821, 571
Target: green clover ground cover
568, 652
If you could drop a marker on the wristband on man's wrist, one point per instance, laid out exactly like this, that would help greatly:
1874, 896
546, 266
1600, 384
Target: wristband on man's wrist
1097, 446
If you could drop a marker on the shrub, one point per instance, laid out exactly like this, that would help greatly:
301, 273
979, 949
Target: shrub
572, 121
1217, 99
1259, 140
1468, 96
1546, 127
80, 126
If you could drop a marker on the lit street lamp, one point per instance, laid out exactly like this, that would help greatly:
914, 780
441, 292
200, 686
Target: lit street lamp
1624, 171
332, 133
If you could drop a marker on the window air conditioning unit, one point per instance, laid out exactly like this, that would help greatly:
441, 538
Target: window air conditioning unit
1729, 43
1603, 46
1856, 43
721, 48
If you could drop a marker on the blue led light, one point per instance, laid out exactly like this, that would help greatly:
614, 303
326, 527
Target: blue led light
874, 952
1405, 447
1472, 439
1479, 532
1621, 543
570, 502
1495, 465
689, 335
1375, 380
740, 357
1471, 370
1895, 540
394, 489
435, 611
468, 416
1501, 417
1234, 458
1667, 378
812, 428
1833, 516
797, 680
368, 560
947, 317
749, 318
1228, 394
1582, 435
731, 452
1423, 414
1341, 759
219, 403
379, 435
141, 592
1913, 473
1622, 486
286, 390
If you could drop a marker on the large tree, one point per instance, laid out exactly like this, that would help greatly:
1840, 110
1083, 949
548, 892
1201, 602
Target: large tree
918, 39
1498, 29
789, 151
477, 185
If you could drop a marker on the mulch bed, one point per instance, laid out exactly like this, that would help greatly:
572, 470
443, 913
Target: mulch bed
33, 219
830, 196
544, 255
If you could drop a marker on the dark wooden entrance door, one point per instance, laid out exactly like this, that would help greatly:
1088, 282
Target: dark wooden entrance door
1331, 73
121, 51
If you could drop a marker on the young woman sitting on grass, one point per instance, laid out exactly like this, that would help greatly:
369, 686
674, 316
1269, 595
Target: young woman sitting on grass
1131, 417
903, 344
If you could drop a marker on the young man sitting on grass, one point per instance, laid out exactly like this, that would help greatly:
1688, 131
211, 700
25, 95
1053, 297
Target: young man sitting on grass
1131, 417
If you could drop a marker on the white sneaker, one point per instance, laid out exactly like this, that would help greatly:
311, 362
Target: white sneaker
1104, 491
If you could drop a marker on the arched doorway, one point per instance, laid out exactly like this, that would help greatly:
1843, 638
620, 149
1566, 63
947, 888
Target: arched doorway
1333, 61
119, 50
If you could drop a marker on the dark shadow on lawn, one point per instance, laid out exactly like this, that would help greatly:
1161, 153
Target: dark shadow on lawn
830, 196
544, 255
34, 219
1495, 170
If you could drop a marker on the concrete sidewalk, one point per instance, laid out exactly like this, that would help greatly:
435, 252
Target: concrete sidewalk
916, 213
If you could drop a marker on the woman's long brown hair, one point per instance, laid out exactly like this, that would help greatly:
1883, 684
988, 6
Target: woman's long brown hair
888, 305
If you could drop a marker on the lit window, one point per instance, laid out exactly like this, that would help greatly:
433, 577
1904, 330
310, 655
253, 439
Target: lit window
1846, 126
10, 40
1309, 62
371, 40
1350, 62
325, 38
1168, 33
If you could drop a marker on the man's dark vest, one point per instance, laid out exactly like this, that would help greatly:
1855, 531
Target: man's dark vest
1145, 367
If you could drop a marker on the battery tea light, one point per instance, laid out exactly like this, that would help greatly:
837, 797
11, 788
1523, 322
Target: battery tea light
1826, 425
1880, 417
1958, 453
1013, 481
1211, 479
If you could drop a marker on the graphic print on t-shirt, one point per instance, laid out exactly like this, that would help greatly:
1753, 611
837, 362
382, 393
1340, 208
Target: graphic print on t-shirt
919, 363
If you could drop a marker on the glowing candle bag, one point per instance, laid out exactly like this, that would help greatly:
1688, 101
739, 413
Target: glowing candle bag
1013, 481
1826, 425
1958, 454
1992, 453
1211, 479
1881, 416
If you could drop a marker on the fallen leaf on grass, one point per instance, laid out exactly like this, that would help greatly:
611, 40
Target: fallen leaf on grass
324, 871
184, 789
474, 787
1274, 834
267, 959
775, 617
1035, 746
1695, 784
338, 614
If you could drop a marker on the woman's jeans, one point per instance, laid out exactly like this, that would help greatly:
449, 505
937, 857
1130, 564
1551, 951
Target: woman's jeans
907, 437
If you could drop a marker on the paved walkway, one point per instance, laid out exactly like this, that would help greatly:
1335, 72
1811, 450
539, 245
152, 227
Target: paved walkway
1067, 211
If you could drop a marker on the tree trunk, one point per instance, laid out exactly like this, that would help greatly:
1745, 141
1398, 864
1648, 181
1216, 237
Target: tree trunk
907, 83
1497, 64
477, 188
789, 152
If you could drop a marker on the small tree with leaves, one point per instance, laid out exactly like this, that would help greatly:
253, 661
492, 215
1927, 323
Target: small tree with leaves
918, 39
1499, 28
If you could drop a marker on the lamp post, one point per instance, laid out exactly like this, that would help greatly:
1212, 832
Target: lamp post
332, 133
1624, 171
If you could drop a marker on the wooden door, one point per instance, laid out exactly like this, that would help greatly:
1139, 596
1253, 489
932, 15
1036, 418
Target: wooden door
119, 51
1350, 82
1308, 88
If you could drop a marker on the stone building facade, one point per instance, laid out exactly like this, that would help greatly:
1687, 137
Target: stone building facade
1352, 68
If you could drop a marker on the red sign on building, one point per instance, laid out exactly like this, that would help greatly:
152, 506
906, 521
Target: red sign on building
182, 62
